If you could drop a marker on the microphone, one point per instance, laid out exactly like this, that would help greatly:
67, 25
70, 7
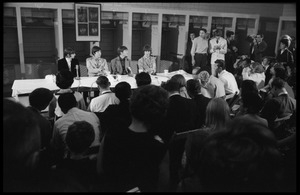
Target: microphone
77, 72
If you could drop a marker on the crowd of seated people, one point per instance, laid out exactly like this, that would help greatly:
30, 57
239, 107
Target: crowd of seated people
182, 136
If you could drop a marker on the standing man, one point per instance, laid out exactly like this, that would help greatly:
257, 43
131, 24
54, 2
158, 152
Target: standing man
231, 55
121, 64
199, 49
259, 47
188, 57
69, 62
218, 49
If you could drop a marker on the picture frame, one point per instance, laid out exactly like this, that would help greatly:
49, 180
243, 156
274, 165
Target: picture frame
88, 22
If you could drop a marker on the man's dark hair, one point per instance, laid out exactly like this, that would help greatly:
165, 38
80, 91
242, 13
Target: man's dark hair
64, 79
147, 48
203, 29
66, 101
95, 49
252, 102
278, 83
229, 33
148, 104
221, 64
68, 51
121, 49
40, 98
80, 136
171, 86
123, 90
103, 82
193, 87
142, 78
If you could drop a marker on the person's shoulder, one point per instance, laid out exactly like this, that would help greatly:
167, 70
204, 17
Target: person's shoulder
89, 58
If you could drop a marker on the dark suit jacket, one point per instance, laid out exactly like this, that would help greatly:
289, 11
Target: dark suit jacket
116, 66
63, 64
201, 102
181, 116
259, 50
286, 57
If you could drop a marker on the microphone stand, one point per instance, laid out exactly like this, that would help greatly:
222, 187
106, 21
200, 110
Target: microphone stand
77, 73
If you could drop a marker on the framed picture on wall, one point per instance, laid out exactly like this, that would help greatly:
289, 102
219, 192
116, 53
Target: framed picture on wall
88, 22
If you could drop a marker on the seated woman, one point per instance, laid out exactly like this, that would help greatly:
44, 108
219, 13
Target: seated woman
96, 65
147, 63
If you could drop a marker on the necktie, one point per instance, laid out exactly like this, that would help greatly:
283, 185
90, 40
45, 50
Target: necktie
217, 41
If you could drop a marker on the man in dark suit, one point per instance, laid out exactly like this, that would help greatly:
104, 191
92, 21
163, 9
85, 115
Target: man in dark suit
259, 47
69, 62
231, 55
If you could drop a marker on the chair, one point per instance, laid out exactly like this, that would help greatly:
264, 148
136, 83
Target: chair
164, 65
83, 70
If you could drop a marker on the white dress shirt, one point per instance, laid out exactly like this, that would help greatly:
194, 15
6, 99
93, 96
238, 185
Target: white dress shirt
100, 103
229, 81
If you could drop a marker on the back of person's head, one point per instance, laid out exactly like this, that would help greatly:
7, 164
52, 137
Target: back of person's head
95, 49
252, 102
103, 82
257, 67
242, 158
121, 49
220, 64
280, 72
229, 33
193, 87
203, 77
248, 86
179, 79
217, 113
147, 48
64, 79
143, 78
21, 145
68, 51
66, 101
278, 83
171, 86
40, 98
148, 104
123, 91
80, 136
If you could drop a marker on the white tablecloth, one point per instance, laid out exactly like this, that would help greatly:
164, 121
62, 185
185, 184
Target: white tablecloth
26, 86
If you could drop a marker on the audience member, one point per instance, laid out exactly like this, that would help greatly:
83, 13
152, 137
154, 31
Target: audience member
199, 49
280, 105
79, 164
67, 103
142, 78
96, 65
259, 48
256, 73
194, 91
188, 57
284, 55
21, 146
39, 99
231, 55
242, 158
147, 63
64, 80
132, 160
266, 63
69, 62
218, 49
211, 86
117, 116
182, 83
121, 64
106, 97
230, 84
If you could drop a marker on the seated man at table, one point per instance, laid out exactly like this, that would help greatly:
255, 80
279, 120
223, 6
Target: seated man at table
121, 64
106, 97
69, 62
147, 63
96, 65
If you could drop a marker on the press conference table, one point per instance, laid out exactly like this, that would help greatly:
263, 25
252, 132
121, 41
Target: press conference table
26, 86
